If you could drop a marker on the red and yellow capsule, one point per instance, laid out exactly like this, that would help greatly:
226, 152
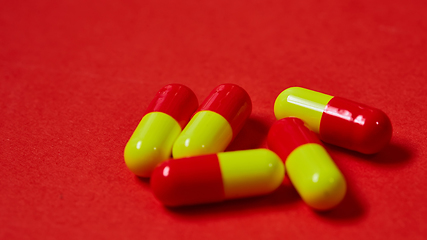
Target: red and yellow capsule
152, 141
337, 120
217, 177
217, 121
310, 168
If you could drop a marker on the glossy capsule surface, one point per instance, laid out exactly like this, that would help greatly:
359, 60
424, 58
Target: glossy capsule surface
310, 168
152, 141
337, 120
217, 177
215, 124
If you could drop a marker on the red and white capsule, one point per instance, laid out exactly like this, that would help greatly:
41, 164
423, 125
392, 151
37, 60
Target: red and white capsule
337, 120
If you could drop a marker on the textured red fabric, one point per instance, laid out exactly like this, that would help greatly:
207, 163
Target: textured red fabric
76, 77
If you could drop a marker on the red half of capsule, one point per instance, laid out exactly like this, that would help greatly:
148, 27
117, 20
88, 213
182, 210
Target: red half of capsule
230, 101
176, 100
188, 181
355, 126
287, 134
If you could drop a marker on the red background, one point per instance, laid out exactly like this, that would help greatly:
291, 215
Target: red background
76, 77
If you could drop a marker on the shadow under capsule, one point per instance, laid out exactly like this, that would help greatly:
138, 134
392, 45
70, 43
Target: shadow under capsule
251, 136
350, 208
395, 153
284, 195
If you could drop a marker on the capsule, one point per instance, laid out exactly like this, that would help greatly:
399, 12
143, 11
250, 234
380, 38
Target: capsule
152, 141
337, 120
217, 121
311, 170
217, 177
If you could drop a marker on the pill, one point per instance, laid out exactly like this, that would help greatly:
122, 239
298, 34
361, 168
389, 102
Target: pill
217, 177
337, 120
311, 170
217, 121
152, 141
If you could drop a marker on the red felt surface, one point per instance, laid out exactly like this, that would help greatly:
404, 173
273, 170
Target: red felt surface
76, 77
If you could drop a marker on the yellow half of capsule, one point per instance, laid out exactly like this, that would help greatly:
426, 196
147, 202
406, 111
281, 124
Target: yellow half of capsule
151, 143
302, 103
207, 132
250, 172
315, 176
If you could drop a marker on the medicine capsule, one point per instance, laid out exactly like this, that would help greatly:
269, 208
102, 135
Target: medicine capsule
217, 121
217, 177
311, 170
152, 141
338, 121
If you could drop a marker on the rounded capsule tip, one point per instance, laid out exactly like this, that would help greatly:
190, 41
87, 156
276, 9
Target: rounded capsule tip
377, 133
188, 181
355, 126
142, 158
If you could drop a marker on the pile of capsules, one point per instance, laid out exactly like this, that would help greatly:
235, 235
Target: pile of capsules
196, 136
